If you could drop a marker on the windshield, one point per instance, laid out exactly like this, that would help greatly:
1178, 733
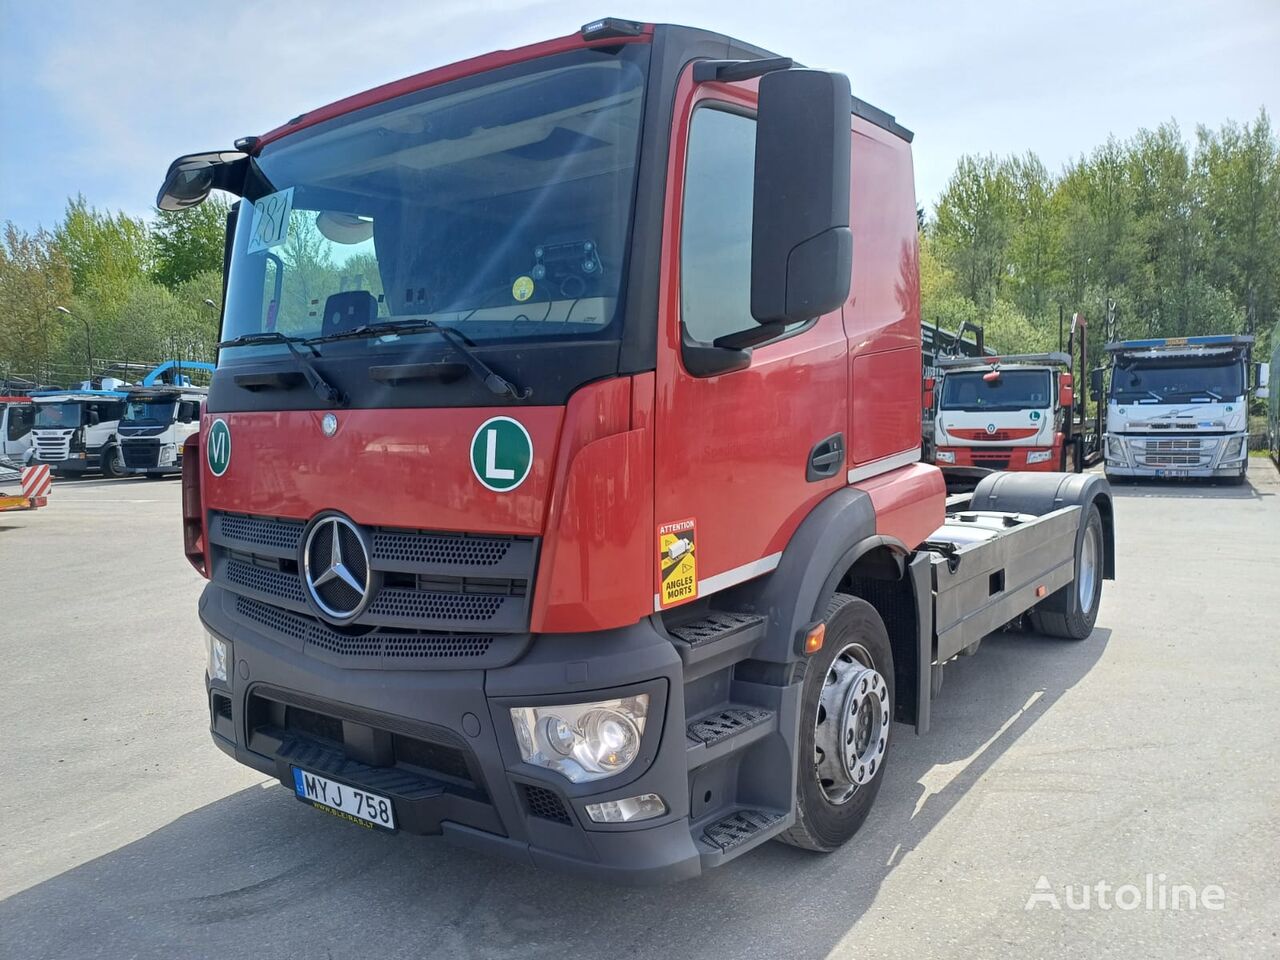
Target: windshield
149, 411
1013, 390
497, 204
59, 415
1173, 382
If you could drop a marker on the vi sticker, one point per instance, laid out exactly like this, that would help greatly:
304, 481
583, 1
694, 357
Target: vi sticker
677, 563
217, 447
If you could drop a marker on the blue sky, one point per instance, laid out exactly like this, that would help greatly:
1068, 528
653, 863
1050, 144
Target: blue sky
98, 97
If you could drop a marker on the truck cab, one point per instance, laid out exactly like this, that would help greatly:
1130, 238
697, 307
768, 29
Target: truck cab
1178, 407
154, 426
558, 488
75, 430
1006, 413
16, 417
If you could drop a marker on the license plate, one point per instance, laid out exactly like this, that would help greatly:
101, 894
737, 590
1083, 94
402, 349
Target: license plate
343, 800
1173, 473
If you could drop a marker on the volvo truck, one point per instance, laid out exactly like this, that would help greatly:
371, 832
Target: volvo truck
158, 417
575, 511
1178, 408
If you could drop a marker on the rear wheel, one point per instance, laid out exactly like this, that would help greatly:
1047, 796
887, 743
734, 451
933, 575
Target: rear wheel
1072, 611
846, 713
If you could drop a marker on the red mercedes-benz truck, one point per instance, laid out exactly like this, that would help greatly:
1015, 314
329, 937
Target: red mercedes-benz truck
557, 487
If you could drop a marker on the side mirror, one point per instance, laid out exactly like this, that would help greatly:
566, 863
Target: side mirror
191, 178
801, 244
927, 399
1255, 375
1066, 391
1095, 384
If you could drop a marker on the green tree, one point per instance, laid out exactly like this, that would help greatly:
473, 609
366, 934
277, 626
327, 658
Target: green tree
106, 252
1239, 173
973, 225
189, 242
34, 279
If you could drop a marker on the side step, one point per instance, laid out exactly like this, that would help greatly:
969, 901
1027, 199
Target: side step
716, 640
726, 730
741, 827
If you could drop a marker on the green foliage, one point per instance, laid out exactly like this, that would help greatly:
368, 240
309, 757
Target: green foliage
34, 279
189, 242
1185, 242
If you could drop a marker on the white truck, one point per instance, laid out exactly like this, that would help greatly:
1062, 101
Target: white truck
156, 422
75, 430
1178, 407
16, 417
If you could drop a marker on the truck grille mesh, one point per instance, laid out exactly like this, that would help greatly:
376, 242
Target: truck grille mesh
423, 548
284, 534
393, 644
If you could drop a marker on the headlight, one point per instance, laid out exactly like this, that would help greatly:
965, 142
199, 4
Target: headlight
945, 456
219, 657
1232, 450
1039, 456
1115, 449
582, 741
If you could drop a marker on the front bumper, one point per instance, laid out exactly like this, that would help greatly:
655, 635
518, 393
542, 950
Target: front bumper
441, 745
1159, 456
1000, 458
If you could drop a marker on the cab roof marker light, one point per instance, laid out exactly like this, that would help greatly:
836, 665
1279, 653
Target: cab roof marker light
611, 28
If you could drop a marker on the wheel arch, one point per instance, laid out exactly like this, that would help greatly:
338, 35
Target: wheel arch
836, 549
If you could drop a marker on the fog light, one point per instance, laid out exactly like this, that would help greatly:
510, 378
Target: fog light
582, 741
644, 807
219, 652
945, 456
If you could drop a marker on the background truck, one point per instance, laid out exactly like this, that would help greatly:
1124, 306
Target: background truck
1178, 407
586, 525
75, 430
1015, 412
16, 417
158, 417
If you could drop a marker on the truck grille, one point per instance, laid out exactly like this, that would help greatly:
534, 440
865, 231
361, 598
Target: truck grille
52, 446
436, 600
1174, 452
140, 454
993, 458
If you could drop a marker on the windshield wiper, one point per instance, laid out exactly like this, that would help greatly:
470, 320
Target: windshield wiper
494, 381
322, 387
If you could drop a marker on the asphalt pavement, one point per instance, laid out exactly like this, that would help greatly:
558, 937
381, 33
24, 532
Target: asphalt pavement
1150, 750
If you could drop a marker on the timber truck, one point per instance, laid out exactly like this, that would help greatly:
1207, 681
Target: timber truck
576, 512
1178, 407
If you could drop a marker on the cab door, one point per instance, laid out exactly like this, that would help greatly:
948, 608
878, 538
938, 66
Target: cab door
742, 456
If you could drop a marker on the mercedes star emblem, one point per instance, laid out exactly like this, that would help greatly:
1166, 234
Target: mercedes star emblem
335, 568
329, 424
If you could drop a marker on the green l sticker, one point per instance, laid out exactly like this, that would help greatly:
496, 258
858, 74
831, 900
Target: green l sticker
217, 447
501, 454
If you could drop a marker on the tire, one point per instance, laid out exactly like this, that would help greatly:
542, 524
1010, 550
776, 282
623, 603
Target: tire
854, 673
112, 467
1072, 611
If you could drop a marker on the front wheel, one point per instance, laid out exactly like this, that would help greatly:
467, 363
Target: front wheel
113, 463
846, 712
1072, 611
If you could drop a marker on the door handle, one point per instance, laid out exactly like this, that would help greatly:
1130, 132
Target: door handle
826, 458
